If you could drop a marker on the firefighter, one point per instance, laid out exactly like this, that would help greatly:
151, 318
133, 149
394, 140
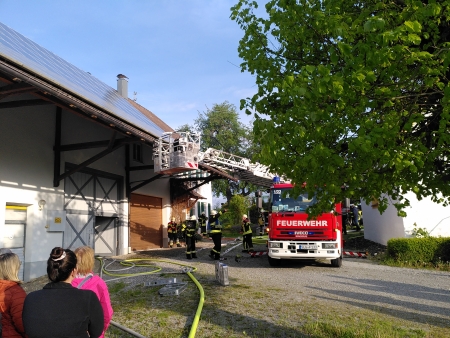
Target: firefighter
215, 233
172, 232
190, 229
261, 222
202, 223
247, 233
356, 216
180, 234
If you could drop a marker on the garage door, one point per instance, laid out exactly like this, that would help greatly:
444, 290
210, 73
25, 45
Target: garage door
145, 222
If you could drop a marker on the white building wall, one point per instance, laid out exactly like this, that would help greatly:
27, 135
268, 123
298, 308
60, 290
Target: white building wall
26, 174
428, 215
424, 213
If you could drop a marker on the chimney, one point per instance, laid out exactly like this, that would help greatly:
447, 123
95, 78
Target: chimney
122, 85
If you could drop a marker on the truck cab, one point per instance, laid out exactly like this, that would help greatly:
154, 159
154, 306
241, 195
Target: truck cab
293, 236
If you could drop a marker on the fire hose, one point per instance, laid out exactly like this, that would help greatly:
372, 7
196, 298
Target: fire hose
130, 263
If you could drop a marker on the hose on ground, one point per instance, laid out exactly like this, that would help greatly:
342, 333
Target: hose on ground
129, 263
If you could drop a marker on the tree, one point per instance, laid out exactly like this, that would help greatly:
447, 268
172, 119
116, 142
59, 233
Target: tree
352, 93
237, 207
221, 129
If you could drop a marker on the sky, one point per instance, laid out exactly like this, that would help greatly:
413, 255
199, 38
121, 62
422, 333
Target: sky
180, 56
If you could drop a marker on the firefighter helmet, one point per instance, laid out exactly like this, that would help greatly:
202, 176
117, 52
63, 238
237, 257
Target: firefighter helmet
213, 212
244, 216
193, 218
173, 219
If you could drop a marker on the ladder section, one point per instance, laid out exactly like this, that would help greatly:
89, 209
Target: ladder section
240, 167
178, 152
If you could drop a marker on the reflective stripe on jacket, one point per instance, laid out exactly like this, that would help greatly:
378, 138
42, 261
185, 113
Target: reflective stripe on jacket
214, 223
246, 227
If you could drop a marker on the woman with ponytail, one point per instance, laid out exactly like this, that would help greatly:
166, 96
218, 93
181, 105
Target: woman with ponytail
59, 309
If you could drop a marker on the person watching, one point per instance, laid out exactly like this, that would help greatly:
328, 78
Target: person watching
59, 309
86, 280
12, 296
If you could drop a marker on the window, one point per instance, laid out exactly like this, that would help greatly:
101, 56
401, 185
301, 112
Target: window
137, 153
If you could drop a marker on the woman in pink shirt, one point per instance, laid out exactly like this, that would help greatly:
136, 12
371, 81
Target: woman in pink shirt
86, 280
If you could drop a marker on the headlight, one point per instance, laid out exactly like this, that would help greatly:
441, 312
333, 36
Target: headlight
275, 245
329, 245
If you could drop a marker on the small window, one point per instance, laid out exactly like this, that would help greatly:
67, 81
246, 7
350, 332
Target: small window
137, 153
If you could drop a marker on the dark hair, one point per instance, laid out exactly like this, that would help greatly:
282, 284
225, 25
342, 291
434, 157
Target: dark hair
61, 264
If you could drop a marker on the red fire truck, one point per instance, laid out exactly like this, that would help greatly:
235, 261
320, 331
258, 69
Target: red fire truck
293, 236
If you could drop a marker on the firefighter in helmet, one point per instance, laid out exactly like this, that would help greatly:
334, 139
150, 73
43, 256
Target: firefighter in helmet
190, 229
202, 223
215, 233
261, 221
247, 233
172, 232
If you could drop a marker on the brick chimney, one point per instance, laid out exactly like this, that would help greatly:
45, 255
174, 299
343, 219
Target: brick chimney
122, 85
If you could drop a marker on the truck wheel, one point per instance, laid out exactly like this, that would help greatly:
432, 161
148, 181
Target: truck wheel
336, 263
273, 261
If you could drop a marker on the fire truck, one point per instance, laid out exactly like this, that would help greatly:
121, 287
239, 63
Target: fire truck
293, 236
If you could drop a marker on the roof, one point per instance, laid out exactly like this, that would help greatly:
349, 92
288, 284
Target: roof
30, 57
160, 123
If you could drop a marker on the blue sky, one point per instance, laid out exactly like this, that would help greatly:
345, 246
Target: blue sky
180, 56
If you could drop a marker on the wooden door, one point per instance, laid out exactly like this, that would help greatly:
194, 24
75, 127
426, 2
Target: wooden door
145, 222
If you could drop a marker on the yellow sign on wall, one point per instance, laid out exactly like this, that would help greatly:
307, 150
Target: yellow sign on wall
58, 220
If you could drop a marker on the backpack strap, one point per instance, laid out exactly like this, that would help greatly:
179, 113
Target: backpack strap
84, 281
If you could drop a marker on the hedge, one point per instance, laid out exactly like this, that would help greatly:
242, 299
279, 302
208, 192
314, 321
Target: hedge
428, 249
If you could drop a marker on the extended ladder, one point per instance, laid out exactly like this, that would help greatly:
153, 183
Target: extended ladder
178, 152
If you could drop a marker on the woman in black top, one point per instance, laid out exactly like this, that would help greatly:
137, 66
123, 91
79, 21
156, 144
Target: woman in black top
60, 310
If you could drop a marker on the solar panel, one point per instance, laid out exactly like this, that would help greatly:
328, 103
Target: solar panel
29, 55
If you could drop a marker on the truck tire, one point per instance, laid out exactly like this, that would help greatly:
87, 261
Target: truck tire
337, 262
273, 261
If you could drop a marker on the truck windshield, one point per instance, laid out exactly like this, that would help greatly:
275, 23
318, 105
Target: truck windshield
281, 200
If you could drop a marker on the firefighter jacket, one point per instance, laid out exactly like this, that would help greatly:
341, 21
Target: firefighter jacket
171, 227
214, 223
246, 227
261, 219
202, 220
190, 228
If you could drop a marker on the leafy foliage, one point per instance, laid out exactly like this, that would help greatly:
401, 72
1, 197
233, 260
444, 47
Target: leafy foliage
221, 129
351, 93
238, 206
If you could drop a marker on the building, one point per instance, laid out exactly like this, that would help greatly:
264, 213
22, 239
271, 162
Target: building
425, 214
76, 164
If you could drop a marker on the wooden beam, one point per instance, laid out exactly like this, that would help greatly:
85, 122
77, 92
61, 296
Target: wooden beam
207, 180
56, 148
116, 145
154, 178
96, 144
142, 167
127, 172
16, 88
23, 103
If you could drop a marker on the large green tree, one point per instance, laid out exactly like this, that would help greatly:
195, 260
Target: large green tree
352, 93
221, 129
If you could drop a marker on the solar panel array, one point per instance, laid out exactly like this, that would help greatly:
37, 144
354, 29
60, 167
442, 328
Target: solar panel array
29, 55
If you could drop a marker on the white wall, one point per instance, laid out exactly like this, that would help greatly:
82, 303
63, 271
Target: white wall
428, 215
26, 174
425, 213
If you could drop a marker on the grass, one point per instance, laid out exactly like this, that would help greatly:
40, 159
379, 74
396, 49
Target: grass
229, 312
243, 310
